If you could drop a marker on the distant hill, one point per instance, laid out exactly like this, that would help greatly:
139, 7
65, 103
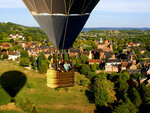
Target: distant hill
35, 33
115, 28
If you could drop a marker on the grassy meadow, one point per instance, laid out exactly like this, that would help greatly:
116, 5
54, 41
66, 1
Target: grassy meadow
47, 100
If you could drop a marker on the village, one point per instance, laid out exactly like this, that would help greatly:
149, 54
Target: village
114, 61
103, 55
74, 56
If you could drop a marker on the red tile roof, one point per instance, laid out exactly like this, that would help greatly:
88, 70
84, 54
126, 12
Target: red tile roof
124, 64
8, 45
94, 61
131, 44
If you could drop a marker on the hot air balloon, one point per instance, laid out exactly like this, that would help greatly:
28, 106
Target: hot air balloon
62, 20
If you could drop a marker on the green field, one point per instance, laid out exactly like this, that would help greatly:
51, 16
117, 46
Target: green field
47, 100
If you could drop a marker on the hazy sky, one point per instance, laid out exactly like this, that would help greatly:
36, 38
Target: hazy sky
108, 13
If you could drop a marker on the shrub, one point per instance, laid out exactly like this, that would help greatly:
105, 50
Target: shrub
57, 89
24, 62
43, 67
83, 82
5, 56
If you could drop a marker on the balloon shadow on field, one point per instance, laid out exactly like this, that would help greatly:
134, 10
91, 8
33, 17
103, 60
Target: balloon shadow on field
12, 82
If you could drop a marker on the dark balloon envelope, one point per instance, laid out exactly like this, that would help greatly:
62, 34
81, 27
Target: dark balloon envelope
62, 20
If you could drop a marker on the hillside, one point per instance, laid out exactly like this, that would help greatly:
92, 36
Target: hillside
48, 100
10, 28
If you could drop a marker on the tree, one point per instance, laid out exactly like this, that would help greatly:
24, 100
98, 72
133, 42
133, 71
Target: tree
55, 57
18, 47
121, 109
24, 54
85, 69
137, 77
66, 57
11, 49
101, 96
41, 57
11, 40
131, 107
43, 67
5, 56
50, 57
29, 38
33, 62
123, 87
102, 89
4, 35
125, 107
145, 93
77, 62
135, 97
93, 67
90, 75
124, 76
84, 59
24, 62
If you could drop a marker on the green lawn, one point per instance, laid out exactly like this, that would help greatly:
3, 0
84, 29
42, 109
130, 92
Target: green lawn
49, 100
6, 111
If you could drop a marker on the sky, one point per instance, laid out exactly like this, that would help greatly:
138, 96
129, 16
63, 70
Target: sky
108, 13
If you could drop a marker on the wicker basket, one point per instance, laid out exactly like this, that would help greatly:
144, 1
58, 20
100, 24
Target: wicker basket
57, 79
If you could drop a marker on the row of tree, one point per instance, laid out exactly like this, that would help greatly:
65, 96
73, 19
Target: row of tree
40, 63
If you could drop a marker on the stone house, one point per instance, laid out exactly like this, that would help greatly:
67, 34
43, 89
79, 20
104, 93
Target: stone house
112, 65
